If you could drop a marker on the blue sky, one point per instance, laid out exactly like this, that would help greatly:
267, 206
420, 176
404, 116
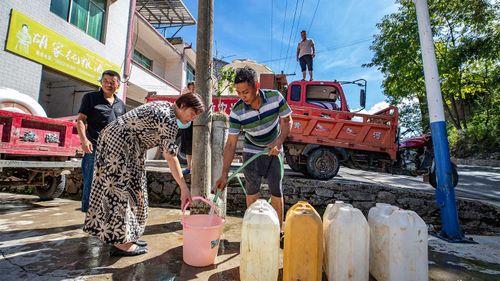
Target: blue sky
342, 31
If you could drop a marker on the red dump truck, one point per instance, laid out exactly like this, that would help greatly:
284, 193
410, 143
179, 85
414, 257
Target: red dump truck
325, 133
37, 151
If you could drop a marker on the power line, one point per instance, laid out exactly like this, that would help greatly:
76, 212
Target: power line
283, 32
291, 31
296, 28
272, 10
314, 15
336, 47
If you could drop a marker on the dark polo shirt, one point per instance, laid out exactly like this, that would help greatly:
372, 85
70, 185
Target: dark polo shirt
99, 113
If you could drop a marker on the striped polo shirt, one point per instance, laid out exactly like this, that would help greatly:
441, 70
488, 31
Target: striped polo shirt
261, 127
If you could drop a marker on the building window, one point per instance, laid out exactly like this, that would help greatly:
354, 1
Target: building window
87, 15
189, 73
143, 60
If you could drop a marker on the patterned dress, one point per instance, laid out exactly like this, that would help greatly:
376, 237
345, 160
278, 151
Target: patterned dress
118, 207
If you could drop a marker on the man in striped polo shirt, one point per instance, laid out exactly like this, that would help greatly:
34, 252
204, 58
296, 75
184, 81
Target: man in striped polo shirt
265, 118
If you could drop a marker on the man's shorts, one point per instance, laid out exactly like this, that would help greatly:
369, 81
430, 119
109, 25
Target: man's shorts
264, 166
306, 60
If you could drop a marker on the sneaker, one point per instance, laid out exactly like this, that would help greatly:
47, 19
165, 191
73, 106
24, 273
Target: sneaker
186, 172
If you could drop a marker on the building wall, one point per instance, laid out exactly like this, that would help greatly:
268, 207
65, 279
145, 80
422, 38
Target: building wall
24, 75
16, 72
60, 99
188, 58
168, 64
158, 59
174, 71
148, 83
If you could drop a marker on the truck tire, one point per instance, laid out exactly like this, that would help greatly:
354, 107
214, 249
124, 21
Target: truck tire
294, 164
433, 178
292, 161
14, 101
323, 164
53, 188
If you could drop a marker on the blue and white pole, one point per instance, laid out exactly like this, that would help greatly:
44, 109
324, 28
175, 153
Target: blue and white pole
445, 193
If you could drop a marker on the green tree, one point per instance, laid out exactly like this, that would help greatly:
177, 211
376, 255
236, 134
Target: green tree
224, 80
466, 35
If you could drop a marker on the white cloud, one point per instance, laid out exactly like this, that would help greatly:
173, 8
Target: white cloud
374, 109
377, 107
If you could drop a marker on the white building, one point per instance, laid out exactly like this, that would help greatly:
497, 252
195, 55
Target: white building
159, 65
55, 50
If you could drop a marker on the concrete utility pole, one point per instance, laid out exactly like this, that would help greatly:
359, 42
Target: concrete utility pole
445, 192
201, 174
219, 137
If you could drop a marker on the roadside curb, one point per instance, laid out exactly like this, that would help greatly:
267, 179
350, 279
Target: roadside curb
477, 162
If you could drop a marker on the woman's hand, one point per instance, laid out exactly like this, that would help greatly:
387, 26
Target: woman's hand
185, 197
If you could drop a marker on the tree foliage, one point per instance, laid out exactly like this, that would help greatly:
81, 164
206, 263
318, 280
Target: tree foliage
466, 35
224, 80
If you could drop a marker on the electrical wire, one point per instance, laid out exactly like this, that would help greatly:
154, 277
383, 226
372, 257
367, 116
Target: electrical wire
272, 10
340, 46
314, 16
296, 28
291, 32
283, 32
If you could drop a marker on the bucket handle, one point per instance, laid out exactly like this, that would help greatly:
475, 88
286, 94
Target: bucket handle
212, 206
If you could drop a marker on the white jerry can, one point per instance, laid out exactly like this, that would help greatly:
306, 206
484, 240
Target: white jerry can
347, 237
260, 243
398, 244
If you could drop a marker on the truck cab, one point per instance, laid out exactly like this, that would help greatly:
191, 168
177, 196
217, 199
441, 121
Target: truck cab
317, 94
325, 132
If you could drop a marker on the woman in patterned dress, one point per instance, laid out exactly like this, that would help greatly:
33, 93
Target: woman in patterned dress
118, 207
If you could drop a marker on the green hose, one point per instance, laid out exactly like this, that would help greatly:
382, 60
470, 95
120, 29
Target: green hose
235, 173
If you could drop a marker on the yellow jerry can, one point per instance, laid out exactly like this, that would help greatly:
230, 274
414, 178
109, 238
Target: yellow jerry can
303, 249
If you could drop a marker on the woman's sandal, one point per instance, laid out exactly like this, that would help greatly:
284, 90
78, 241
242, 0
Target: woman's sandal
139, 250
141, 243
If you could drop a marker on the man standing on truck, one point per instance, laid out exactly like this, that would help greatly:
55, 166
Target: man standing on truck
265, 118
305, 55
98, 109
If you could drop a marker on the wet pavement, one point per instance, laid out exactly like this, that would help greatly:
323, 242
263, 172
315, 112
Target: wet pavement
44, 241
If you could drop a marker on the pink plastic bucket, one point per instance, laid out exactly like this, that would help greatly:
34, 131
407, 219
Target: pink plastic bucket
201, 235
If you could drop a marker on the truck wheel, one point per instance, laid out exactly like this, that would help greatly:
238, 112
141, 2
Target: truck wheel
292, 162
323, 164
433, 178
53, 188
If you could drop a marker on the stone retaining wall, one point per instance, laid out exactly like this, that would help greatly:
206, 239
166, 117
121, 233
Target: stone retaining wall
475, 217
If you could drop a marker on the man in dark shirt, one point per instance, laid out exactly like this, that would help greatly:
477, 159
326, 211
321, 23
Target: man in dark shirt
98, 109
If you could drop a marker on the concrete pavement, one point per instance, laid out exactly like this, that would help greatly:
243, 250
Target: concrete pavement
44, 241
475, 182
